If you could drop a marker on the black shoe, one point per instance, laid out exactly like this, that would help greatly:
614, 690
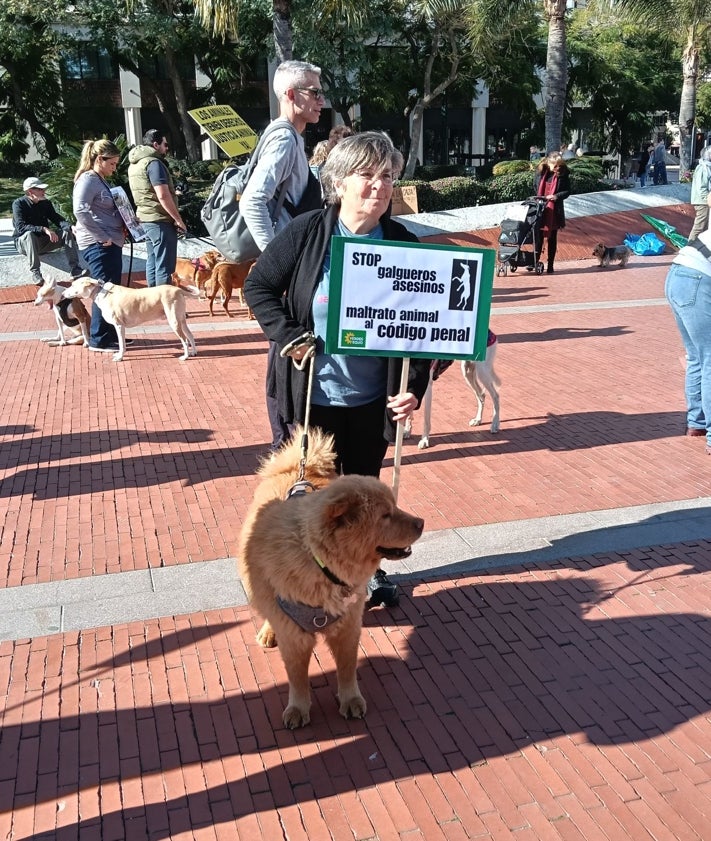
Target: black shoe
381, 591
39, 280
549, 270
77, 273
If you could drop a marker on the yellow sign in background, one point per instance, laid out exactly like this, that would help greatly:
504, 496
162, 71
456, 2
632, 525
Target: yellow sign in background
225, 126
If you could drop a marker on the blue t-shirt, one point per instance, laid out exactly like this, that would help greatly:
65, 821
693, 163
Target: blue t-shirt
343, 380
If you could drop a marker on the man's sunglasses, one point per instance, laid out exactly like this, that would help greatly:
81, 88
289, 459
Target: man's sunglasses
317, 93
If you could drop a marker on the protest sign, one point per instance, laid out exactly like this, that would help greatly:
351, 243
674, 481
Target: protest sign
130, 220
225, 126
408, 299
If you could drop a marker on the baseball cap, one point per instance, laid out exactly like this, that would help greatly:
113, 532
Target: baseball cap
33, 183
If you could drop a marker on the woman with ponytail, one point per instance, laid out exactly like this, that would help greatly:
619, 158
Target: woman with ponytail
99, 229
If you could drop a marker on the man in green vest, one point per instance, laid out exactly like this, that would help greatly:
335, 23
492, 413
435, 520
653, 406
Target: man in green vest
156, 206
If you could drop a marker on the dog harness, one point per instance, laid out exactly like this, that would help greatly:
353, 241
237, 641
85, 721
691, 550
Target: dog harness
307, 617
439, 366
63, 307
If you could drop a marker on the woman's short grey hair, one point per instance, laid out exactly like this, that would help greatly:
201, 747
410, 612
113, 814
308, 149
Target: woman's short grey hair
372, 150
292, 74
705, 154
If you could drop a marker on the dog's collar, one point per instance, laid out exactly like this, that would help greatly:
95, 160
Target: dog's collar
332, 577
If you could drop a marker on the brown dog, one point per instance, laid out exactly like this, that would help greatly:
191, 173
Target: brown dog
196, 271
225, 278
615, 254
305, 561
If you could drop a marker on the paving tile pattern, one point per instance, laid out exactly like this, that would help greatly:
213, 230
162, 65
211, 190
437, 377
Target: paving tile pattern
150, 462
564, 702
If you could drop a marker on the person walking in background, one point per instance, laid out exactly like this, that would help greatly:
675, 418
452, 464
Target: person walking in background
99, 229
659, 162
156, 206
282, 172
552, 181
355, 398
39, 229
701, 193
323, 149
688, 290
643, 166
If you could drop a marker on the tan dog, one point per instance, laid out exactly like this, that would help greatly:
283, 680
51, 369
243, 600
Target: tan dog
305, 561
616, 254
226, 277
196, 271
70, 315
124, 307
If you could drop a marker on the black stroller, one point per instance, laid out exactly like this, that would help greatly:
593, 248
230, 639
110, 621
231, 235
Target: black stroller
517, 234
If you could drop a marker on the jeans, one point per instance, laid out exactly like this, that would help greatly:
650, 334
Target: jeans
161, 252
34, 245
105, 263
689, 294
660, 173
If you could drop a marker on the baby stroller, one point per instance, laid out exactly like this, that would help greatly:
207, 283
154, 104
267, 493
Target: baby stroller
518, 233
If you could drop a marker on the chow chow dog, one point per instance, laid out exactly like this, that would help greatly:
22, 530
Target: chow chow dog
305, 557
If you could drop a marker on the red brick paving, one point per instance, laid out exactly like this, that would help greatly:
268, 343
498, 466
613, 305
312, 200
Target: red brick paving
567, 702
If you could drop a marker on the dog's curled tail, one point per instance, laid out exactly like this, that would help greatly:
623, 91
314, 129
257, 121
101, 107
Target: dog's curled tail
320, 455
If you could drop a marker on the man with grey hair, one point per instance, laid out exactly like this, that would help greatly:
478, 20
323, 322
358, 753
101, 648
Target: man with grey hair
281, 185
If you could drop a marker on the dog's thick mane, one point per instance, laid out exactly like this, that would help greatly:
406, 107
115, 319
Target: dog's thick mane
320, 457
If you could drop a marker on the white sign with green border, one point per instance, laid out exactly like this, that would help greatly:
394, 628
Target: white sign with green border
409, 299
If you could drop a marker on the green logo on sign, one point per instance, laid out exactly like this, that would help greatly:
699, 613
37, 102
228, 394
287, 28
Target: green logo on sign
353, 338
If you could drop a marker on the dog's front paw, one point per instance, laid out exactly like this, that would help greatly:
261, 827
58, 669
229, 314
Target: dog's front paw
266, 636
296, 717
475, 421
353, 707
424, 443
494, 427
118, 356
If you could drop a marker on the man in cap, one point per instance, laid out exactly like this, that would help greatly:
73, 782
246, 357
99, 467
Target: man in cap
39, 229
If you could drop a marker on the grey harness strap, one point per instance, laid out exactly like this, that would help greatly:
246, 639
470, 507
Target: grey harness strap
310, 619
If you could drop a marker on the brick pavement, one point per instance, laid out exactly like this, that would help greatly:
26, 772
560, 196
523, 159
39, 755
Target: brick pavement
558, 701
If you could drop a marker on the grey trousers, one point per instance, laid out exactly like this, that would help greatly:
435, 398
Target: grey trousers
34, 245
701, 221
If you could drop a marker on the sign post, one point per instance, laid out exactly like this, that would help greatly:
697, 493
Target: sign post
408, 300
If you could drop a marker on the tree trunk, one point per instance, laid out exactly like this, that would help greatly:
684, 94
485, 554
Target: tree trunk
191, 144
556, 73
281, 27
418, 113
687, 105
36, 127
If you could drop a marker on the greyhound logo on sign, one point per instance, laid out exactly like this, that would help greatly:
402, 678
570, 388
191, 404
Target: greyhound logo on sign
462, 286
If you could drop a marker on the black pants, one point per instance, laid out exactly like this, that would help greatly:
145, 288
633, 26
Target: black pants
358, 432
552, 247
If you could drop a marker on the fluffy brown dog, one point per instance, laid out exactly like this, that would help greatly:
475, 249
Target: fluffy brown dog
616, 254
196, 271
225, 278
305, 561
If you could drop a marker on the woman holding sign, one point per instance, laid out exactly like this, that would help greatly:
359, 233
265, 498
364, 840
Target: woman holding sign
355, 398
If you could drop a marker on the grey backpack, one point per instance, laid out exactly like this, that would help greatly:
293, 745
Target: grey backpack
221, 214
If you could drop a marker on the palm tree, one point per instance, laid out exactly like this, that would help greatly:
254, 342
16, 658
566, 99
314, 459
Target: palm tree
496, 16
689, 23
220, 16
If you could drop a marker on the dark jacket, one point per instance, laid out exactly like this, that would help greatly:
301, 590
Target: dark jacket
30, 217
562, 192
292, 266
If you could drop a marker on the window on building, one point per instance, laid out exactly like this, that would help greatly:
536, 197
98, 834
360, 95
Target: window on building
88, 62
